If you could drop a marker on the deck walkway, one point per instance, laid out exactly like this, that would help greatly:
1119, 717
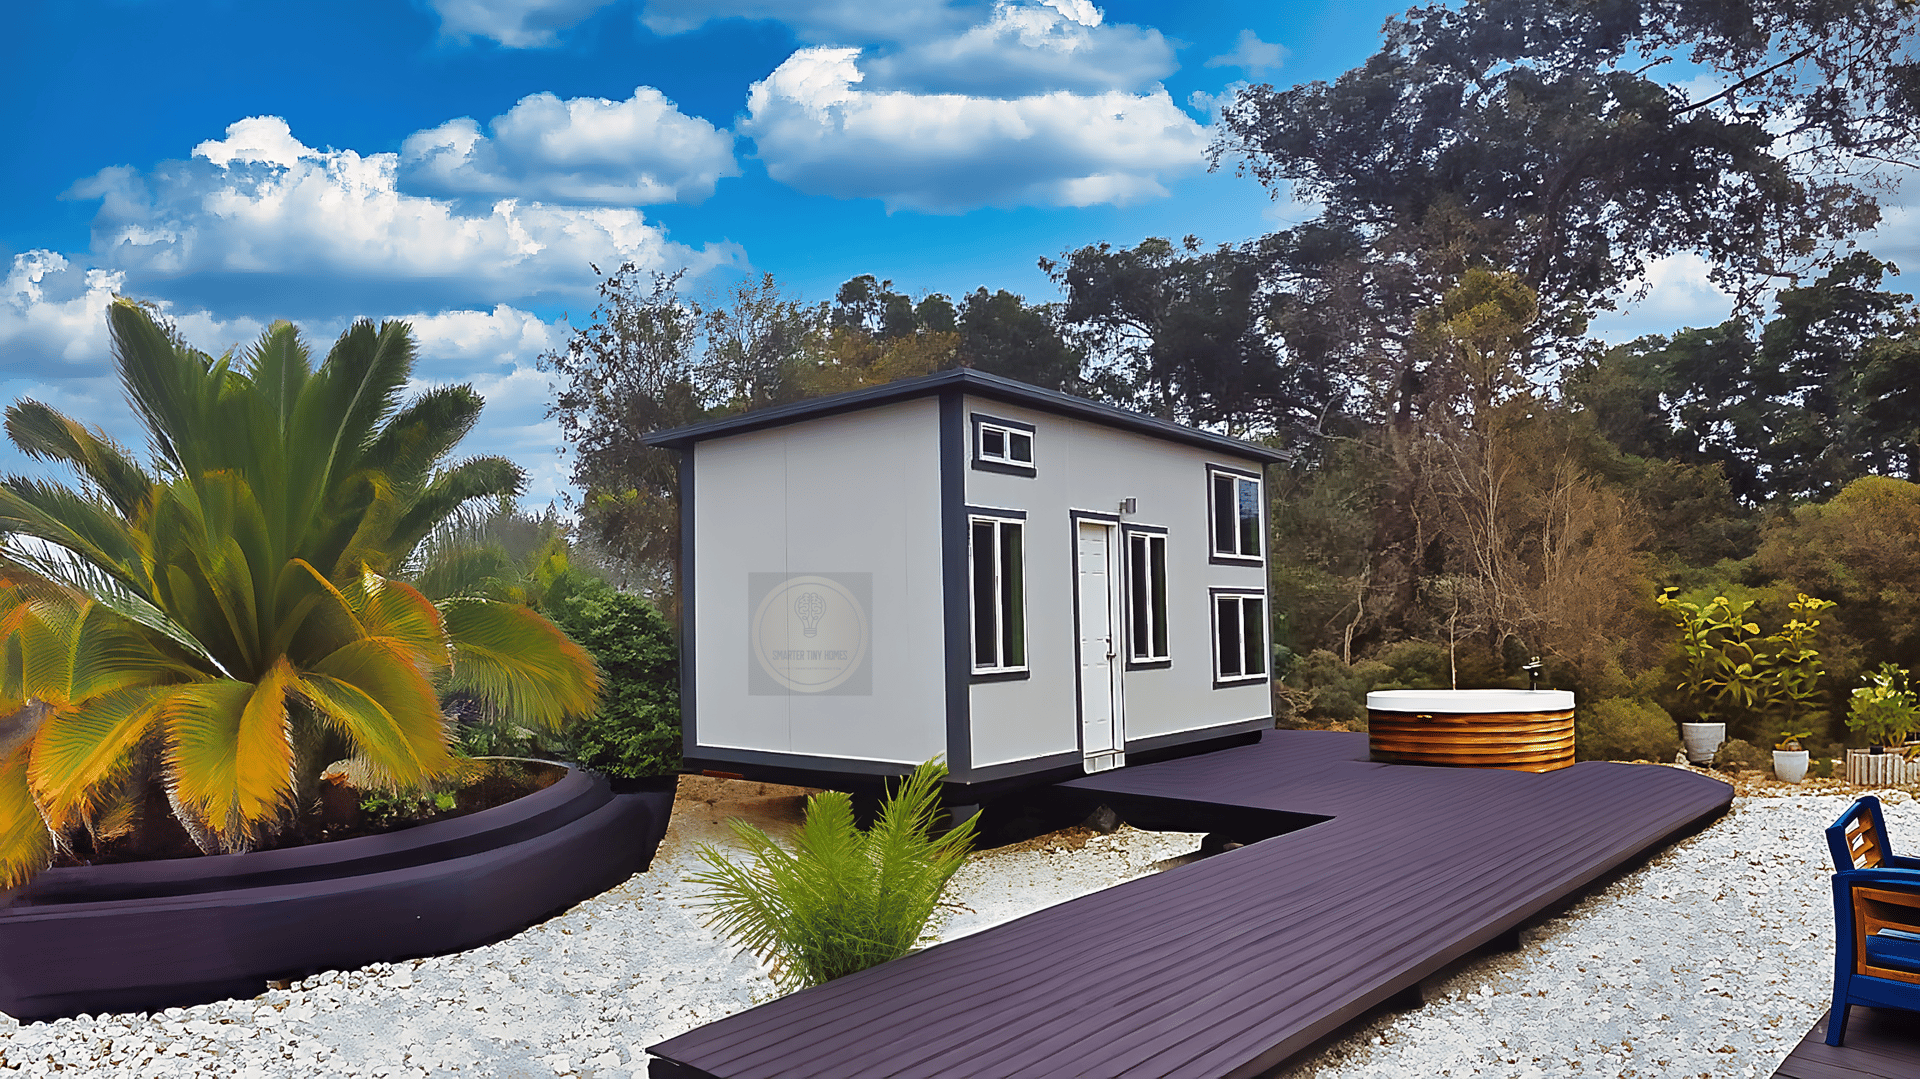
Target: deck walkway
1230, 965
1881, 1044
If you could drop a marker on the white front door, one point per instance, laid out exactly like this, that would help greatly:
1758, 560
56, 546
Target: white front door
1102, 740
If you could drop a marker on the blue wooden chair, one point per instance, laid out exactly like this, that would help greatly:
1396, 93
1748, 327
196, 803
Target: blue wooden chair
1876, 913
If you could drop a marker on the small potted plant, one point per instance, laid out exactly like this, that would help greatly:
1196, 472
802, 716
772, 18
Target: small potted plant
1789, 758
1722, 669
1884, 711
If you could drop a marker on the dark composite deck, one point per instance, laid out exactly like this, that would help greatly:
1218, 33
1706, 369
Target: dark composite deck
1228, 966
1881, 1044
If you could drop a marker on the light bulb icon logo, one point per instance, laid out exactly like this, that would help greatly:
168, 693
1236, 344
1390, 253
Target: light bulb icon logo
810, 607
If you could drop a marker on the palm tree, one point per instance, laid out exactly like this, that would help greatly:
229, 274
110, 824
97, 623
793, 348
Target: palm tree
223, 622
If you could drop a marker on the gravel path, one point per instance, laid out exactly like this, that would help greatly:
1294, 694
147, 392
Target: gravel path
1712, 960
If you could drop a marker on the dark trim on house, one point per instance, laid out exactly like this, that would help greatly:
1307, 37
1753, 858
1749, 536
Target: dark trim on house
798, 769
1069, 761
995, 511
1009, 468
1126, 596
688, 712
977, 383
1202, 734
955, 595
1266, 634
1027, 471
1020, 675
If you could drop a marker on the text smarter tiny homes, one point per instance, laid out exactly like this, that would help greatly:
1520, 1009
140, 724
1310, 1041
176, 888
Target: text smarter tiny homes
1027, 584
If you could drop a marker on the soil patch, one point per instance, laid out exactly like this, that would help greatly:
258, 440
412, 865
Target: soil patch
341, 812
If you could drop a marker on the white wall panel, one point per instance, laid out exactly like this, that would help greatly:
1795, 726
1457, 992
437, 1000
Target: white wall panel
855, 494
1087, 466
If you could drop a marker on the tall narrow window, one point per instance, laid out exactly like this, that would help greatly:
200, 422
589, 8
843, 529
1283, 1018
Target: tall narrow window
999, 594
1146, 597
1235, 499
1239, 636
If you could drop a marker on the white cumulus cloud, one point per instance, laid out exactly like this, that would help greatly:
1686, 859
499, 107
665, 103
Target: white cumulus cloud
260, 218
1027, 47
636, 152
820, 133
516, 24
1678, 293
1251, 54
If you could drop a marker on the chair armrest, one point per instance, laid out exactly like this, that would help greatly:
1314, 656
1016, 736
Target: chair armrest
1896, 861
1898, 879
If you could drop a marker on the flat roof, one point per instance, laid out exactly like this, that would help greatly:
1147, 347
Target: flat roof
977, 383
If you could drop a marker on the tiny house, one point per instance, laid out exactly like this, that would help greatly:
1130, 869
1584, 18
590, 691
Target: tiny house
1026, 584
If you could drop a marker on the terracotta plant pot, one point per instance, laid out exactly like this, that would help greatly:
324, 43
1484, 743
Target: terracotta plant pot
1702, 740
1790, 765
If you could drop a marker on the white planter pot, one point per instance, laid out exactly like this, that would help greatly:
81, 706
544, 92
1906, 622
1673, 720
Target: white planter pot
1867, 769
1790, 765
1702, 740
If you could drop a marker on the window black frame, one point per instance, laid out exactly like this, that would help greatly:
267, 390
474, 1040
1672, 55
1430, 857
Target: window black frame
1214, 596
1149, 533
999, 519
1006, 466
1236, 557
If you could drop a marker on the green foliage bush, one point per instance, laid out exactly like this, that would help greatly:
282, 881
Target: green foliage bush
387, 809
1740, 755
842, 899
1334, 691
636, 729
1885, 710
1622, 729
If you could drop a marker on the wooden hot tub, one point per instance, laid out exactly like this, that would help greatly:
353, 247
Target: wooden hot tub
1526, 729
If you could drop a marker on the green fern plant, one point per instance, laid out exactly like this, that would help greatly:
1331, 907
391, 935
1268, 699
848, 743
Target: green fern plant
842, 899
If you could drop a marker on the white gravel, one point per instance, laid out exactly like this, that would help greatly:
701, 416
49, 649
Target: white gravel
1712, 960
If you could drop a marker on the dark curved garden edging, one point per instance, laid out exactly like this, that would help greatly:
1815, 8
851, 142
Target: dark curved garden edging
142, 936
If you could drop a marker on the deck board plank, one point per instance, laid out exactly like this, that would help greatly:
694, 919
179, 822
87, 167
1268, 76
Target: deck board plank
1880, 1044
1229, 965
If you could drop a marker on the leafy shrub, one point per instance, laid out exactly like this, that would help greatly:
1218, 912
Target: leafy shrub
1621, 729
1886, 709
1740, 755
842, 899
387, 809
1334, 691
636, 729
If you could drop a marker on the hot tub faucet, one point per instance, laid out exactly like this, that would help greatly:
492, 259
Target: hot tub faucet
1533, 674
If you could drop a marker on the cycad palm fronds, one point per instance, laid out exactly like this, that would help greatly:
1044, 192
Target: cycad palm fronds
842, 899
224, 616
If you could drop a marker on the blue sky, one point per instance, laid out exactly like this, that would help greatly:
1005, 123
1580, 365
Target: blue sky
462, 162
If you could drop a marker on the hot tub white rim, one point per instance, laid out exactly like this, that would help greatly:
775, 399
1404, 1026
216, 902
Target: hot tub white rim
1469, 701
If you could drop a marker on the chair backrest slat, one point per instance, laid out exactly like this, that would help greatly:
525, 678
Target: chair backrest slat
1858, 840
